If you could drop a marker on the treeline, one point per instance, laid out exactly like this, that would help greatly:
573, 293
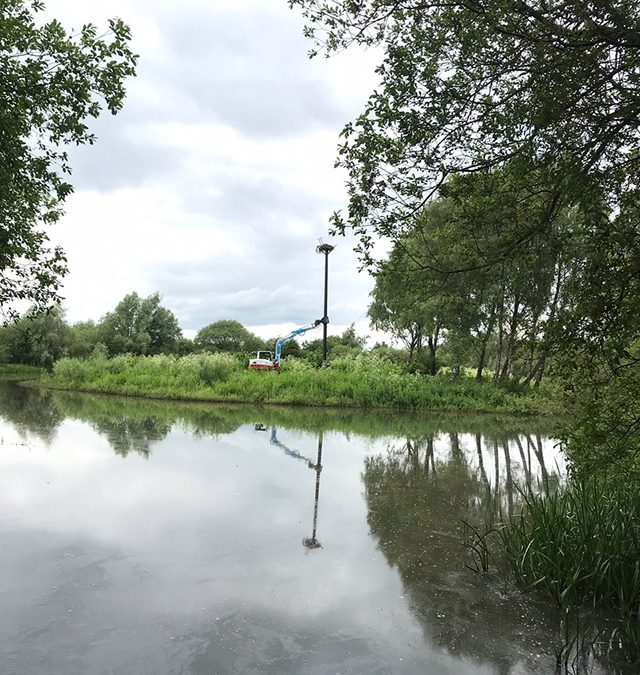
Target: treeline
143, 327
451, 286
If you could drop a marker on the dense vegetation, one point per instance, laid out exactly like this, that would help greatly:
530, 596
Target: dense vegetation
143, 327
364, 380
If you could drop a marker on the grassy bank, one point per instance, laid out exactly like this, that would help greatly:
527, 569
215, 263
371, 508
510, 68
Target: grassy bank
364, 381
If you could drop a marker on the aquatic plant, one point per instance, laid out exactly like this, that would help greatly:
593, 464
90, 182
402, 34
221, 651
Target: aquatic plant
579, 544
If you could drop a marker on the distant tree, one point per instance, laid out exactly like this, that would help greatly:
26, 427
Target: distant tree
139, 326
51, 83
291, 348
312, 351
37, 338
338, 346
350, 338
82, 339
184, 346
227, 336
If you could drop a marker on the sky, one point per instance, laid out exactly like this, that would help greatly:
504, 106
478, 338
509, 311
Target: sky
214, 183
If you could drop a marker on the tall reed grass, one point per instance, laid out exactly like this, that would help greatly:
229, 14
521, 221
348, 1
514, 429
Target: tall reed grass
579, 544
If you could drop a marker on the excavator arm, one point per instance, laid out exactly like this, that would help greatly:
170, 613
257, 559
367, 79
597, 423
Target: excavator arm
299, 331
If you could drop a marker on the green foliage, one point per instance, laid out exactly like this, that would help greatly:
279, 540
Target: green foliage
365, 381
38, 338
11, 371
82, 339
447, 276
469, 86
582, 543
227, 336
349, 338
526, 116
139, 326
349, 344
605, 407
51, 83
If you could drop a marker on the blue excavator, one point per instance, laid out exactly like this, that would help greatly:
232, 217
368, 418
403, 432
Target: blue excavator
264, 360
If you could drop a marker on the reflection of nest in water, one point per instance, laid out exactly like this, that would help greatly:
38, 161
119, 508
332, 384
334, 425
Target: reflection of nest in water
311, 543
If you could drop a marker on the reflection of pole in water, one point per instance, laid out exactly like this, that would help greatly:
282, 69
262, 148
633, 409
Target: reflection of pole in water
312, 542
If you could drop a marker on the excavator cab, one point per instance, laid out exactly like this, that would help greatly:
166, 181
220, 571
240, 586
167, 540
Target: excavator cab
262, 360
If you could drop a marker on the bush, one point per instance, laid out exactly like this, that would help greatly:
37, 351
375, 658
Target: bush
216, 367
73, 371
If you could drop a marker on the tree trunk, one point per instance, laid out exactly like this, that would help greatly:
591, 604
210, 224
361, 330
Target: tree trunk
433, 346
485, 342
538, 370
511, 341
496, 373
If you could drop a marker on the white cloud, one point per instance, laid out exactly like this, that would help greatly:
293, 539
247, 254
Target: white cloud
215, 181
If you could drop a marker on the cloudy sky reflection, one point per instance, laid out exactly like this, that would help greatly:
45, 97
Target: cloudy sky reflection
188, 556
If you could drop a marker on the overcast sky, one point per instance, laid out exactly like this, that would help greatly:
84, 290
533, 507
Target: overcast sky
214, 183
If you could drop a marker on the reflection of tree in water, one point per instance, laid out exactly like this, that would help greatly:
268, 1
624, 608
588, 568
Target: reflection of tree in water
417, 499
128, 434
30, 410
135, 425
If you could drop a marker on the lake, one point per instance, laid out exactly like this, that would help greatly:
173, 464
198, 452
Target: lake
153, 537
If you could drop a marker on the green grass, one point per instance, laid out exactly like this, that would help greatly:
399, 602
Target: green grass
19, 371
579, 544
364, 381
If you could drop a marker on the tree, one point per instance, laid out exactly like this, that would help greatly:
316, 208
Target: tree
82, 339
227, 336
468, 85
51, 83
37, 338
403, 306
313, 350
139, 326
291, 348
349, 338
445, 277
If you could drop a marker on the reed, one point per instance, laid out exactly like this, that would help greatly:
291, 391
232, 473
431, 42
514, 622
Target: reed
579, 544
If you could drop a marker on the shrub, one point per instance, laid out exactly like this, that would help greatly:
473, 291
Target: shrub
73, 371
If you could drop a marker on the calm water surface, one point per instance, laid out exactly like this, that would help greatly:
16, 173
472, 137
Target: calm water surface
143, 537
